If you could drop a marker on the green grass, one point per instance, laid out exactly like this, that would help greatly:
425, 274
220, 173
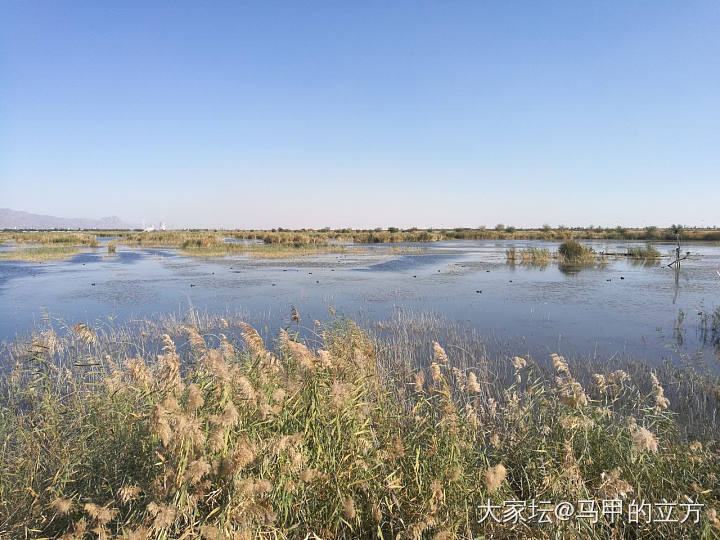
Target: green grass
573, 252
345, 437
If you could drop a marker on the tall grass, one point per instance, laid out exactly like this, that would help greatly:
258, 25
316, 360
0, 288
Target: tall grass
54, 238
40, 254
368, 236
573, 252
182, 432
529, 255
646, 252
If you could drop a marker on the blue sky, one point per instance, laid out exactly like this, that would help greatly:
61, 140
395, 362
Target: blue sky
312, 114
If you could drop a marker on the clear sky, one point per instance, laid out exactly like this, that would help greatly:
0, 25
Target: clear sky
363, 113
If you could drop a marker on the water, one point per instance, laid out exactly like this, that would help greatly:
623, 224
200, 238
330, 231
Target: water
648, 312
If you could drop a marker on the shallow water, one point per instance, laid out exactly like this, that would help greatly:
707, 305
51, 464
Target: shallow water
617, 308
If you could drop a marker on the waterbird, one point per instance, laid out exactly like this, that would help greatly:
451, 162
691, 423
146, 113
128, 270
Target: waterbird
92, 284
621, 277
192, 285
478, 292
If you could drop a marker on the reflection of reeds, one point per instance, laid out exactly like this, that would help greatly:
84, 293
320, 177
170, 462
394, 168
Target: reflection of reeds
709, 327
176, 429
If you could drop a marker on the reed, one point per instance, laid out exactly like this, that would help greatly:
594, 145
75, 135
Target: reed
531, 256
202, 429
53, 238
643, 253
39, 254
366, 236
573, 252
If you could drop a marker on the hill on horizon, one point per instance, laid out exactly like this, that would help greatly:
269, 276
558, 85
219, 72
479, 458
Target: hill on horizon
17, 219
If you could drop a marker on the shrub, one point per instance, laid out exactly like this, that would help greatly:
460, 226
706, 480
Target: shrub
647, 252
572, 251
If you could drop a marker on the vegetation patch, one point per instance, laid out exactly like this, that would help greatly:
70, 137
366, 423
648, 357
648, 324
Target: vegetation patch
389, 235
529, 255
646, 252
39, 254
203, 436
53, 238
573, 252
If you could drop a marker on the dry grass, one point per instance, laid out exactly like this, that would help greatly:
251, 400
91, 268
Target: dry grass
171, 430
39, 254
265, 251
53, 238
281, 251
530, 255
643, 253
206, 238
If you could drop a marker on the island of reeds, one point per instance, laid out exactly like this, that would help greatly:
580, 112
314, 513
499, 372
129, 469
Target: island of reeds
203, 429
39, 246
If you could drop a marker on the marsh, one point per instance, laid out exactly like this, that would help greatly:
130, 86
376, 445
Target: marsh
616, 306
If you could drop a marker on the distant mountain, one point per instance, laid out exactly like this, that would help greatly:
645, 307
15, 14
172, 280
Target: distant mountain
14, 219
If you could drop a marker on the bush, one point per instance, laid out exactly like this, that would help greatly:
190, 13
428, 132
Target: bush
574, 251
647, 252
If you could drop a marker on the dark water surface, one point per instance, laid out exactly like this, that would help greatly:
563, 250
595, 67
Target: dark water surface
646, 311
